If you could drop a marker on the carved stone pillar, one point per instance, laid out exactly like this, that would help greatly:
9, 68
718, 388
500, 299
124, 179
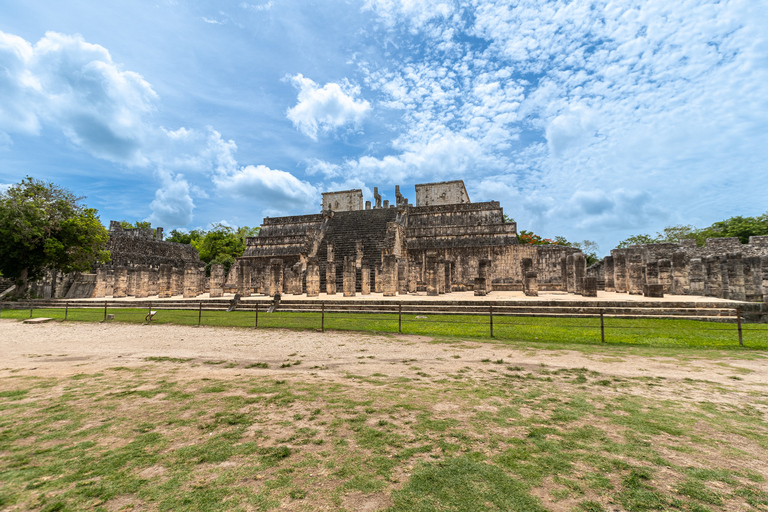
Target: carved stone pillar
389, 275
142, 283
635, 278
275, 276
440, 276
620, 272
330, 278
191, 280
216, 288
764, 266
736, 277
433, 286
101, 283
348, 277
531, 283
608, 269
165, 279
680, 274
665, 275
365, 280
177, 281
589, 286
714, 279
121, 283
378, 286
579, 272
484, 272
652, 272
570, 285
696, 277
313, 278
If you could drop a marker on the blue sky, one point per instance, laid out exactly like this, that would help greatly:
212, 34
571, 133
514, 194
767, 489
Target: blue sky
587, 119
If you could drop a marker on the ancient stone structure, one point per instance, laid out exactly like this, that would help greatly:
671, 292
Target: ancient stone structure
723, 268
142, 265
435, 246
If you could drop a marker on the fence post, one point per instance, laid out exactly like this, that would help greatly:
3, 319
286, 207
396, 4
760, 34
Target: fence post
399, 319
149, 312
66, 310
738, 326
602, 327
199, 313
256, 322
105, 311
31, 307
322, 317
490, 315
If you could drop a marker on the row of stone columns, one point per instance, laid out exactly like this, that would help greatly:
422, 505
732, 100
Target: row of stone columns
729, 276
164, 281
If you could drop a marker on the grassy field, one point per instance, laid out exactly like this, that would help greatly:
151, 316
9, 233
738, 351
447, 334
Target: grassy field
491, 438
641, 332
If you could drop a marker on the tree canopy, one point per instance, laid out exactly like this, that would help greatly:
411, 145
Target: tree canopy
44, 226
739, 227
222, 244
588, 247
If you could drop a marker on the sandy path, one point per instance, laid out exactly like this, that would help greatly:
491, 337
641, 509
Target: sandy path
60, 349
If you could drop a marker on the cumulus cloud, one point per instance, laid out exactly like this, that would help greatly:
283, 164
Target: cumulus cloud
325, 108
279, 190
74, 86
173, 204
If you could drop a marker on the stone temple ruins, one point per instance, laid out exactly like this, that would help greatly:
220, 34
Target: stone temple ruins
441, 244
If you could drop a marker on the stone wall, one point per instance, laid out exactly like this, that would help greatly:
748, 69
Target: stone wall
441, 193
723, 268
344, 201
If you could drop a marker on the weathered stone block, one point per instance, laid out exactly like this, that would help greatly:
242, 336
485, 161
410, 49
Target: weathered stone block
531, 284
216, 287
653, 290
589, 286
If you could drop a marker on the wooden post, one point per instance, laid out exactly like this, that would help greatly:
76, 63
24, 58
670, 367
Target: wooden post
256, 322
399, 319
105, 311
149, 313
322, 317
738, 326
490, 314
602, 327
66, 310
31, 307
199, 313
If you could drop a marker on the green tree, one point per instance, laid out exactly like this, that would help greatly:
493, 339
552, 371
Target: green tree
222, 244
182, 237
44, 226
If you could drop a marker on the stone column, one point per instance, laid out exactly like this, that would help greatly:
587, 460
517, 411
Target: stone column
365, 280
177, 281
608, 268
753, 279
389, 275
564, 273
589, 286
191, 280
764, 267
402, 276
348, 276
216, 288
665, 275
164, 283
275, 276
154, 276
432, 284
142, 283
243, 278
330, 278
313, 277
130, 287
680, 271
570, 287
484, 272
298, 281
635, 278
101, 284
736, 277
378, 286
448, 274
579, 272
479, 288
714, 279
121, 283
109, 290
652, 272
440, 276
531, 284
696, 277
620, 272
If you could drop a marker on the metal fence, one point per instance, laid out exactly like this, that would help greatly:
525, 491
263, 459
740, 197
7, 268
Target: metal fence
480, 322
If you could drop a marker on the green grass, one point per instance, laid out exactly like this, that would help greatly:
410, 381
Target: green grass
656, 333
143, 439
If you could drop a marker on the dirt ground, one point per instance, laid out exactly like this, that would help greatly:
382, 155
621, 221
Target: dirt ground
57, 349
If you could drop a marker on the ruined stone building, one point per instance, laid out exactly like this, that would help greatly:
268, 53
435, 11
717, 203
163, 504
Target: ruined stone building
442, 243
723, 268
142, 264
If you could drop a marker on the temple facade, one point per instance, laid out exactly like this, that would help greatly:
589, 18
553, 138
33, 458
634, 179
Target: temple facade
442, 243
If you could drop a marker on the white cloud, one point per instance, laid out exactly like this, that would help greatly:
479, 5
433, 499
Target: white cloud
325, 108
278, 190
173, 205
75, 86
256, 7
